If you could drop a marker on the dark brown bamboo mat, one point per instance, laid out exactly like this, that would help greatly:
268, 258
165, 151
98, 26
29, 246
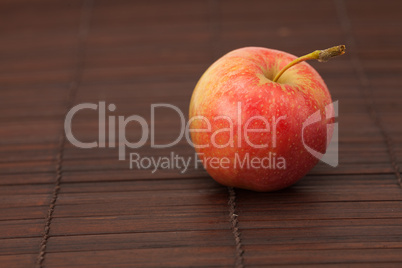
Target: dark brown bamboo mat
61, 206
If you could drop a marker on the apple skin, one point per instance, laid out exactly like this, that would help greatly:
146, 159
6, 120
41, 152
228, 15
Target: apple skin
245, 75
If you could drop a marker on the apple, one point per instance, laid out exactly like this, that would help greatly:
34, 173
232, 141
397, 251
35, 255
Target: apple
247, 114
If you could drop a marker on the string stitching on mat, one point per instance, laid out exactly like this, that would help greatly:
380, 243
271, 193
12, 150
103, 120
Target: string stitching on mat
72, 91
366, 84
236, 232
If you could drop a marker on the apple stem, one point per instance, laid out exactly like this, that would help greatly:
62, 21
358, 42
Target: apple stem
320, 55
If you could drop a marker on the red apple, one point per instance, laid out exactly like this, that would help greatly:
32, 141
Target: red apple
247, 129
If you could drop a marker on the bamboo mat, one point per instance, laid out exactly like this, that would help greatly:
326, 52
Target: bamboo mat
61, 206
